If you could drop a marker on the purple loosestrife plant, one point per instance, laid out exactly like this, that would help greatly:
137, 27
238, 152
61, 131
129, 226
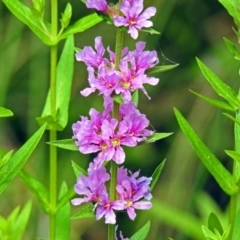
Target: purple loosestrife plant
121, 123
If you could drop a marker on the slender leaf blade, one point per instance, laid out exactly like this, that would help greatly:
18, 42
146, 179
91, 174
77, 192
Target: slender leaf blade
214, 223
16, 162
142, 233
27, 16
37, 188
214, 166
234, 155
81, 25
78, 170
64, 84
85, 212
156, 174
162, 68
232, 48
4, 112
22, 220
219, 86
156, 136
215, 102
68, 144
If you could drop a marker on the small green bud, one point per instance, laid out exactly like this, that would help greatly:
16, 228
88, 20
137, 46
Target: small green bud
66, 16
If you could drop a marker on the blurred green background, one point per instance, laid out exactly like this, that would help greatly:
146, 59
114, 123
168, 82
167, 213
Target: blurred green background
185, 194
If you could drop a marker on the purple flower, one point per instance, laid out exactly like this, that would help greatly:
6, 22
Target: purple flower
90, 57
131, 190
100, 5
92, 187
120, 234
106, 208
134, 16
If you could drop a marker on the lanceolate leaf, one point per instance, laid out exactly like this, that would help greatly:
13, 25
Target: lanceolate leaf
78, 170
27, 16
142, 233
81, 25
157, 174
16, 162
65, 198
68, 144
214, 166
157, 136
37, 188
214, 223
162, 68
219, 86
4, 112
237, 144
208, 233
64, 83
63, 217
232, 118
215, 102
4, 159
22, 220
232, 48
234, 155
85, 212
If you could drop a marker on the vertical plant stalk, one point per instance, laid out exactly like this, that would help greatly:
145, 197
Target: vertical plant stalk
236, 174
53, 132
113, 181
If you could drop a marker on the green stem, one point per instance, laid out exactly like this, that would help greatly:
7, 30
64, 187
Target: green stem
113, 181
236, 175
53, 133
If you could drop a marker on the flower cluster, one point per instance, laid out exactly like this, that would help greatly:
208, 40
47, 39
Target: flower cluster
105, 133
131, 14
129, 187
131, 74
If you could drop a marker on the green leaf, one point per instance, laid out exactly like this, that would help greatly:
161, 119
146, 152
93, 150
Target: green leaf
85, 212
157, 174
232, 8
236, 229
78, 170
162, 68
16, 162
156, 136
208, 234
81, 25
118, 98
64, 84
68, 144
39, 6
49, 120
135, 98
219, 86
214, 223
65, 198
22, 220
149, 30
214, 166
66, 16
63, 217
4, 112
142, 233
234, 155
232, 48
37, 188
231, 118
215, 102
28, 17
4, 159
